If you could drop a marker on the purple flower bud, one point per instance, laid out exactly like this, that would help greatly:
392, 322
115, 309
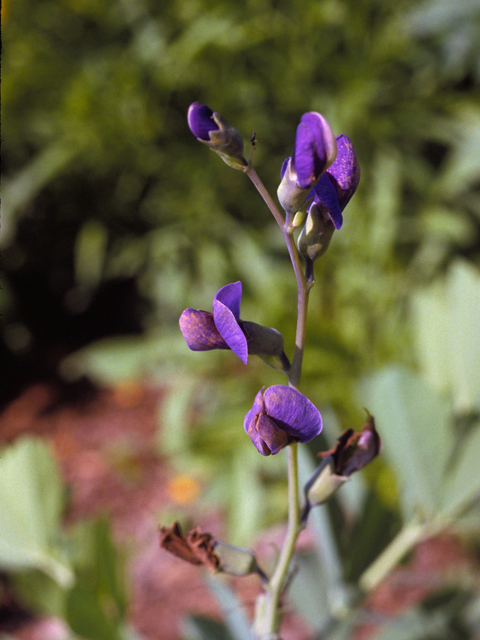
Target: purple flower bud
210, 128
279, 416
315, 149
200, 121
316, 234
223, 329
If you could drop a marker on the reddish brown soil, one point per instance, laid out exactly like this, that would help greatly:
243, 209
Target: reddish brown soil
108, 456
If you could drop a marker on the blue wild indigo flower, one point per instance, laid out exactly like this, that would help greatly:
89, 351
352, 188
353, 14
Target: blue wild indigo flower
314, 151
281, 415
223, 329
213, 130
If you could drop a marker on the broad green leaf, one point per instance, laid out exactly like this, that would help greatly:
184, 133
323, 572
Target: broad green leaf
236, 620
463, 295
31, 503
309, 590
202, 628
447, 322
463, 482
413, 422
96, 605
414, 625
331, 592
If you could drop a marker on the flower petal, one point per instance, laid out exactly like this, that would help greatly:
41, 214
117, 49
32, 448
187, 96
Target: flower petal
293, 412
326, 194
231, 296
199, 331
267, 436
315, 149
226, 313
200, 120
345, 171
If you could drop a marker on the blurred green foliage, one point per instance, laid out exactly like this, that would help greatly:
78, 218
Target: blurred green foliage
104, 186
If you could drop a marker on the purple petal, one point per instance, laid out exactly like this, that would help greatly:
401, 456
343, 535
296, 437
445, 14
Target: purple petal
326, 194
258, 407
284, 167
226, 313
231, 296
345, 171
293, 412
199, 331
314, 149
200, 120
266, 435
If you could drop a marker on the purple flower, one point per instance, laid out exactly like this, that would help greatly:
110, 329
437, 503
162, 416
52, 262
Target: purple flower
223, 329
200, 121
315, 149
204, 331
279, 416
338, 184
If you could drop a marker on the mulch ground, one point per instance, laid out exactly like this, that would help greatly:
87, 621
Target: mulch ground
106, 447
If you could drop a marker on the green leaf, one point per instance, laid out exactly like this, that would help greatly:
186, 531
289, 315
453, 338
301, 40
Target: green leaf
31, 504
414, 625
330, 590
202, 628
413, 422
463, 482
97, 604
447, 322
237, 622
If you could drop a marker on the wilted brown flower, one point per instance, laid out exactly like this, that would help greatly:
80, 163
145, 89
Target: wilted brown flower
354, 450
195, 547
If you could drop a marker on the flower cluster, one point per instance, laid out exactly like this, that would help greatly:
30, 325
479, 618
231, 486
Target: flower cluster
323, 170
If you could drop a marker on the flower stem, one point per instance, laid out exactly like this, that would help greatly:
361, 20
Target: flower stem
277, 581
271, 615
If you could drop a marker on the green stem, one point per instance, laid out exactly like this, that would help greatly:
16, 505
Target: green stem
405, 540
279, 577
270, 623
304, 287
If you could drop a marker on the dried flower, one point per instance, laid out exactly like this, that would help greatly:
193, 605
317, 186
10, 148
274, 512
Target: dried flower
352, 452
195, 547
201, 548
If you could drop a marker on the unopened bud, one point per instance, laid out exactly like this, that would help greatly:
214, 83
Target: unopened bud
290, 195
213, 130
315, 236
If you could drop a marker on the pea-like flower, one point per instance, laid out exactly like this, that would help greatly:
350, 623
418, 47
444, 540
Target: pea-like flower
281, 415
333, 188
314, 151
223, 329
213, 130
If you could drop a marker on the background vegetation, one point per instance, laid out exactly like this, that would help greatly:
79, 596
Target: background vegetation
115, 219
